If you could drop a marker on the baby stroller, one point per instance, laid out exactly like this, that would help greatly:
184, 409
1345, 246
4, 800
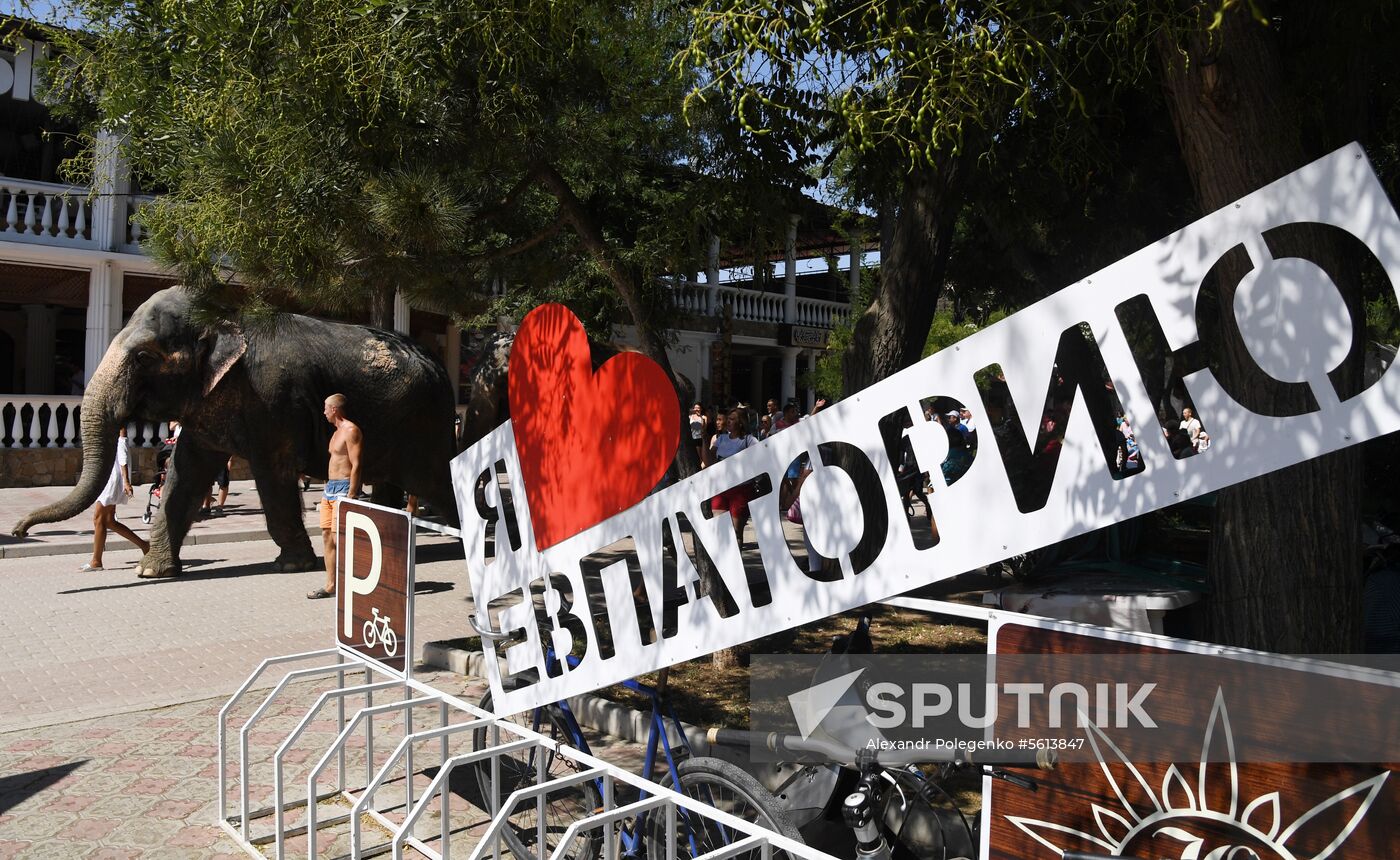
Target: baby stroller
167, 447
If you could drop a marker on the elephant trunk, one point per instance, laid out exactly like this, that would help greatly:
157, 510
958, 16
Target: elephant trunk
101, 420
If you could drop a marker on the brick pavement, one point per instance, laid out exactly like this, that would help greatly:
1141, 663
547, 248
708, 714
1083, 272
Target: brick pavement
145, 784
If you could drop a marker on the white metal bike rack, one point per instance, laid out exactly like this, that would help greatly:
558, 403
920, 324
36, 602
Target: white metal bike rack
503, 738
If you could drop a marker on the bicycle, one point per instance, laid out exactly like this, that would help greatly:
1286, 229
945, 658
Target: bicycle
865, 776
377, 630
867, 808
712, 781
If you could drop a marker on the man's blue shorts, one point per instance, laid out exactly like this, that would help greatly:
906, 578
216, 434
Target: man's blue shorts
336, 489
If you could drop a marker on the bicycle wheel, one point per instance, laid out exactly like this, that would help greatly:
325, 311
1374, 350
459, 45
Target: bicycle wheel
370, 635
518, 770
726, 787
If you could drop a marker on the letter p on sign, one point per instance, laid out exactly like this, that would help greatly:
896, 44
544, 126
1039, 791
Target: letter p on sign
362, 585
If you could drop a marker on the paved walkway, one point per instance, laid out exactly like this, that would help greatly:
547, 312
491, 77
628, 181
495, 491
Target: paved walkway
85, 644
242, 520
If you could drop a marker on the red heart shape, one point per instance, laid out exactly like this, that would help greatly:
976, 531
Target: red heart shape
590, 444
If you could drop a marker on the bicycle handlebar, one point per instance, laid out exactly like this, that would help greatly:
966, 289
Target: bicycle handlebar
797, 746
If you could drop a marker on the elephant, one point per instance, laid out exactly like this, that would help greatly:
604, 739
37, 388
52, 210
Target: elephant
258, 393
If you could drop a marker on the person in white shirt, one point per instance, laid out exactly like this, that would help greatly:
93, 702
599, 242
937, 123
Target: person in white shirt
735, 500
1192, 425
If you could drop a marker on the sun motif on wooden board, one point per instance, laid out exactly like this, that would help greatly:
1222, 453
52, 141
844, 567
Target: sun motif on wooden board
1182, 822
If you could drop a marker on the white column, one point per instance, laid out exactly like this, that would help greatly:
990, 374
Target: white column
855, 268
40, 325
712, 277
790, 372
790, 273
112, 184
104, 312
401, 312
453, 357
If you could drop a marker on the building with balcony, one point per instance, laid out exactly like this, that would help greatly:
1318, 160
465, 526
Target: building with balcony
72, 270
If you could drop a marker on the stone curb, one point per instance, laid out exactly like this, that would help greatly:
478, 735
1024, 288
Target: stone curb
595, 712
33, 550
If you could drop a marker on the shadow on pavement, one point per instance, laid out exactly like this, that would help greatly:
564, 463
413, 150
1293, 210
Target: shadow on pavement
438, 552
16, 788
432, 587
263, 568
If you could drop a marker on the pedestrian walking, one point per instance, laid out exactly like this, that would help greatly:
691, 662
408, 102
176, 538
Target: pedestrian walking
104, 516
735, 500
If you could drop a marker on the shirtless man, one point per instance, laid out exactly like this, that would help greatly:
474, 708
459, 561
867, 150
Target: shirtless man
343, 481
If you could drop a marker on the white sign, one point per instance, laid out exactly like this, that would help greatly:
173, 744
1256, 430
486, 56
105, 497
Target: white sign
643, 607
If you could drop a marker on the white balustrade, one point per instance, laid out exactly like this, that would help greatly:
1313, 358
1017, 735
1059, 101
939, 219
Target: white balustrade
136, 231
52, 422
44, 213
754, 306
819, 313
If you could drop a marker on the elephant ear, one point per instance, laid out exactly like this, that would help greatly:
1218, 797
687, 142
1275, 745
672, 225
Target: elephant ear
227, 345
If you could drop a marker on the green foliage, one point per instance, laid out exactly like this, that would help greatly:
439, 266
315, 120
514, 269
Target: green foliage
1383, 320
332, 151
945, 331
902, 82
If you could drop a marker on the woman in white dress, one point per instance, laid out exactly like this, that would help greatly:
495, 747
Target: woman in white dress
104, 515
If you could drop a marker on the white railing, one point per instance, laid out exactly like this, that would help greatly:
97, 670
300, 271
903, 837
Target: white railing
45, 213
753, 306
820, 313
136, 231
52, 422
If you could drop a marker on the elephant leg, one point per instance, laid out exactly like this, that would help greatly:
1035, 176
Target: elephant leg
280, 493
439, 494
191, 472
386, 494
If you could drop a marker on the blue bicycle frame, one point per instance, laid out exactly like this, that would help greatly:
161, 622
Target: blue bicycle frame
658, 740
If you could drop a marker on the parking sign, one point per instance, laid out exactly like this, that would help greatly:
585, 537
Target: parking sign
374, 583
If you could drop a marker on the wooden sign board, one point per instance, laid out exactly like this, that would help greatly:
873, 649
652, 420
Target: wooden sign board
374, 584
1215, 805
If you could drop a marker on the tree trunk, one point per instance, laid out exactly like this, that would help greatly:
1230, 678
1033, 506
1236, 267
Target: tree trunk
915, 244
1285, 570
890, 335
381, 308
